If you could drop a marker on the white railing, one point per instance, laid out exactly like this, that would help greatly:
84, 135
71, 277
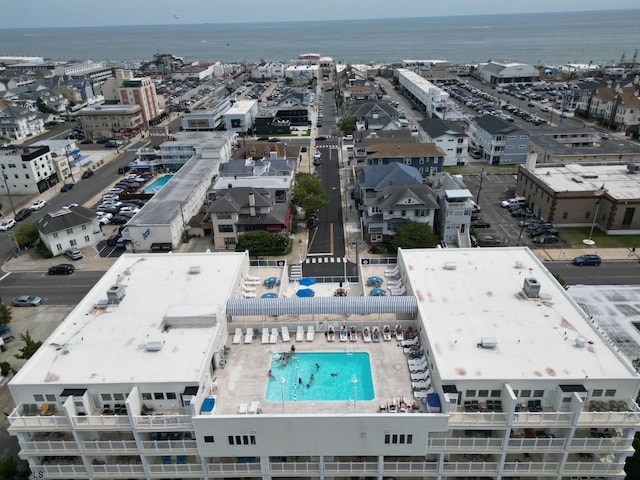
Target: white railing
543, 418
530, 467
351, 467
582, 444
164, 421
536, 443
178, 446
295, 467
609, 418
470, 467
110, 446
107, 422
51, 423
477, 418
177, 468
231, 468
586, 467
44, 447
410, 467
465, 443
58, 471
111, 470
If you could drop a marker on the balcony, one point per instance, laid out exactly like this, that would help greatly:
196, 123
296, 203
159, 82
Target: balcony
544, 418
586, 468
49, 448
596, 439
408, 468
101, 422
537, 444
177, 470
26, 417
116, 471
170, 446
161, 421
351, 468
59, 471
611, 413
477, 418
234, 469
530, 468
473, 440
291, 469
111, 446
474, 468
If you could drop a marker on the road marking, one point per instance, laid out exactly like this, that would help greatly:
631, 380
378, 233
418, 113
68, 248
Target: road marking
331, 236
5, 276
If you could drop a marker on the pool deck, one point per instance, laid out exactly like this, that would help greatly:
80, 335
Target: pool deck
244, 378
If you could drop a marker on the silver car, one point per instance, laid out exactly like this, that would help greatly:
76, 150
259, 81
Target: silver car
26, 301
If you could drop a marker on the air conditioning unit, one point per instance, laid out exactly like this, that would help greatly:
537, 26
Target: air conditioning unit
115, 294
531, 287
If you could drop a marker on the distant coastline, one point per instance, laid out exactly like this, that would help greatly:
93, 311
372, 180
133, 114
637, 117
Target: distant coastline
548, 38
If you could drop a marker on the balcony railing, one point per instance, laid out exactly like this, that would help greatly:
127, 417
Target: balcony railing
609, 418
234, 469
530, 467
170, 446
290, 468
410, 467
37, 422
470, 467
181, 470
543, 418
477, 418
335, 468
110, 446
593, 467
466, 444
528, 444
175, 421
58, 471
47, 447
610, 444
110, 471
107, 422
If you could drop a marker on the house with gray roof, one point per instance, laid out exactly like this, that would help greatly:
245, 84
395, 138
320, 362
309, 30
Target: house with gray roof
497, 141
371, 115
450, 138
496, 73
428, 158
239, 210
453, 218
69, 227
18, 122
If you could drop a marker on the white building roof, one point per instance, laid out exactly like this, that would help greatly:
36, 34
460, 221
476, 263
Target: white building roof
465, 295
241, 107
573, 177
107, 345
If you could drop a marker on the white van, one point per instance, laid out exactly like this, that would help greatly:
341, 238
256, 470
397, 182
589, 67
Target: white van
512, 202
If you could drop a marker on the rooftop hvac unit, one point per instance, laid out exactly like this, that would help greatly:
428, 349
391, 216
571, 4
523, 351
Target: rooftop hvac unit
194, 269
153, 346
450, 265
531, 288
488, 342
580, 342
115, 294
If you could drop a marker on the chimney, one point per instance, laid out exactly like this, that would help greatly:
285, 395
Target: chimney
26, 149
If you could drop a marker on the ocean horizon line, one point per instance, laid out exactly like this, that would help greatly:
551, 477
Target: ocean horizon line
341, 20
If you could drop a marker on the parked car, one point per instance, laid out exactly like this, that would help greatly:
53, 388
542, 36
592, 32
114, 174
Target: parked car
22, 214
113, 239
74, 253
7, 224
38, 204
26, 301
61, 269
69, 206
544, 231
546, 238
480, 223
119, 220
105, 219
66, 187
588, 259
488, 241
107, 208
87, 173
87, 141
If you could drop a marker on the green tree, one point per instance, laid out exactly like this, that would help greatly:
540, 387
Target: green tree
6, 369
27, 234
308, 193
30, 347
6, 314
43, 108
9, 468
348, 124
414, 235
261, 243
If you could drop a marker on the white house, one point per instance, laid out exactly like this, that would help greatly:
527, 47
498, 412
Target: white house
453, 141
27, 171
69, 227
19, 123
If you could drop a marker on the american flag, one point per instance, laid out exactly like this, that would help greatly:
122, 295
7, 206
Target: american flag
601, 191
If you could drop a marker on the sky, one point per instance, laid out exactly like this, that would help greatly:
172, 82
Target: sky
87, 13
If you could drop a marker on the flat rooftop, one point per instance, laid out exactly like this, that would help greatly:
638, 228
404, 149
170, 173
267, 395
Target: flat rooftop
574, 177
465, 295
108, 345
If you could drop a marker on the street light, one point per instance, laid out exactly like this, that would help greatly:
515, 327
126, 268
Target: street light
282, 382
4, 177
482, 175
355, 393
66, 152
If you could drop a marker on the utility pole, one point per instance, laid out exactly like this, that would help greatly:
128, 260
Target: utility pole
13, 208
482, 175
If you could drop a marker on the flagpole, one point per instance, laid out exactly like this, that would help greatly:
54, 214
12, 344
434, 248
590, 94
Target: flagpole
598, 193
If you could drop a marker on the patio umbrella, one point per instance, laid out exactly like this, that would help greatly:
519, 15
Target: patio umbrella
305, 292
307, 281
269, 295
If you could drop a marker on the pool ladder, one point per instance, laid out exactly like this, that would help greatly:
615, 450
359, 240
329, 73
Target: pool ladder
349, 350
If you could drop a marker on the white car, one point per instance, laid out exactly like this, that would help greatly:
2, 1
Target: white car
7, 224
105, 218
38, 204
70, 206
130, 209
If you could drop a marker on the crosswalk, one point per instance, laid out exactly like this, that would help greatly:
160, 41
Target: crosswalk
326, 260
328, 146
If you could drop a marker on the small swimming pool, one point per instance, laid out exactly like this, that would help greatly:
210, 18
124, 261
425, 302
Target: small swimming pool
333, 380
158, 183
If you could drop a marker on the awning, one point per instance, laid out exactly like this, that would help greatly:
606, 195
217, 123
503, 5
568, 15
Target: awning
239, 307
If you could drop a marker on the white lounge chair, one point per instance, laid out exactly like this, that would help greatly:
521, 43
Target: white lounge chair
366, 335
251, 282
274, 335
243, 408
285, 334
237, 338
420, 385
410, 342
246, 289
423, 367
254, 407
265, 335
396, 292
331, 334
252, 279
391, 272
344, 334
248, 295
249, 335
416, 377
310, 333
394, 283
420, 394
300, 334
386, 333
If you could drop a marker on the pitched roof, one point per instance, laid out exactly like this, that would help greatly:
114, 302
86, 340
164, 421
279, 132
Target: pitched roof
65, 218
436, 127
380, 176
402, 150
237, 198
364, 109
393, 194
495, 125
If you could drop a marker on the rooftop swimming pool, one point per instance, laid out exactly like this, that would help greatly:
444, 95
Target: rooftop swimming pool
318, 376
158, 183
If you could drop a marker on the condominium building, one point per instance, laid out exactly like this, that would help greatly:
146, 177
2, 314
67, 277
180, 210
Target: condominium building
130, 90
28, 171
161, 372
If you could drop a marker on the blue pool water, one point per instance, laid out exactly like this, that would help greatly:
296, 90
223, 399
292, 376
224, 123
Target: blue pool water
158, 183
324, 386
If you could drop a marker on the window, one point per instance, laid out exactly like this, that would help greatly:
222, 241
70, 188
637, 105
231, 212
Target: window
515, 393
50, 398
87, 238
483, 393
526, 393
538, 393
84, 227
566, 399
106, 397
225, 228
38, 398
565, 215
422, 161
73, 243
495, 393
170, 395
470, 394
387, 438
609, 393
158, 396
69, 231
146, 396
59, 246
118, 396
223, 216
458, 150
55, 234
597, 393
208, 439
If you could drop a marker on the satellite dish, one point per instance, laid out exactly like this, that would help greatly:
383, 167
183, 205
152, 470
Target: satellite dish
176, 16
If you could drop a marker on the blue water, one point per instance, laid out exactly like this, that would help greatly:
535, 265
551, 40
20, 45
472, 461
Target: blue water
157, 185
547, 38
324, 386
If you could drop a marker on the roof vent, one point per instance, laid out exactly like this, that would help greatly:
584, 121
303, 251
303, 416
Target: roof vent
450, 265
580, 342
488, 342
194, 269
153, 346
519, 265
531, 287
115, 294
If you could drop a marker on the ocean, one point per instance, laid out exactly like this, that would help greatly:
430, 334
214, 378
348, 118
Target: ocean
544, 38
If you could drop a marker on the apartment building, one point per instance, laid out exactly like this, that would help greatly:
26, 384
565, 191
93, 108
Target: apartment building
519, 381
27, 171
497, 141
19, 123
129, 90
111, 121
451, 139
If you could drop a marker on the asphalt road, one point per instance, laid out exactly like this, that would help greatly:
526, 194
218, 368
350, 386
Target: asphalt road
608, 273
58, 290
